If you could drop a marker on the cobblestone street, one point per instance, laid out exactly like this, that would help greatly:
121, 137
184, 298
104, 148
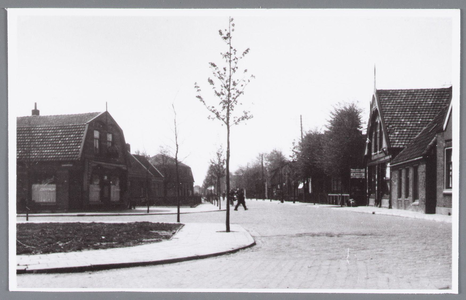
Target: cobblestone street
299, 246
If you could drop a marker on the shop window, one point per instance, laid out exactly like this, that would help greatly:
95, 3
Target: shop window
96, 141
448, 169
415, 183
44, 190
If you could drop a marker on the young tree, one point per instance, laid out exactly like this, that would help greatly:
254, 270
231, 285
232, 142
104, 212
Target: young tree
228, 85
218, 168
177, 171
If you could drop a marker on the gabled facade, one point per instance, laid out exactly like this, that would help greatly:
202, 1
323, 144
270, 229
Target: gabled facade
396, 118
166, 165
145, 181
70, 162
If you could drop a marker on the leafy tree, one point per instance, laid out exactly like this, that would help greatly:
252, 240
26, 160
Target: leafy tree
344, 143
209, 179
249, 178
275, 159
228, 84
308, 157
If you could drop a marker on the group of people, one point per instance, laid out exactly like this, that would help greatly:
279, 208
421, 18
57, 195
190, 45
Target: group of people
237, 195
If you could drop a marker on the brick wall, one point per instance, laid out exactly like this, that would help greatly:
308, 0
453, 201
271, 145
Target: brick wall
406, 200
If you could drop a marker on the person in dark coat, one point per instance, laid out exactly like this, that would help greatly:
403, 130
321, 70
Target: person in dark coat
240, 198
232, 197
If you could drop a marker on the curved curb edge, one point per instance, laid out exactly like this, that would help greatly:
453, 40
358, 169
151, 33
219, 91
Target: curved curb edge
130, 264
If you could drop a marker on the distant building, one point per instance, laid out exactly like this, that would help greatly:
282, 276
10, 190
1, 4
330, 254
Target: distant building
145, 181
167, 166
397, 117
197, 190
71, 162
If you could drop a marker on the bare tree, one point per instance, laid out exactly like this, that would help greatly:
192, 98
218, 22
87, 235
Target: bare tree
177, 172
228, 84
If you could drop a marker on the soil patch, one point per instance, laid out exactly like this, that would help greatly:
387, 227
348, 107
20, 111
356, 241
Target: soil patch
43, 238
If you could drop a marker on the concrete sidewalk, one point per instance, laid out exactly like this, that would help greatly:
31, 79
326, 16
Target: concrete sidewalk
398, 213
377, 211
140, 210
193, 241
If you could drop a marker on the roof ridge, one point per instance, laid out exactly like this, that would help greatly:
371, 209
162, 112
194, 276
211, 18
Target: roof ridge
416, 89
79, 114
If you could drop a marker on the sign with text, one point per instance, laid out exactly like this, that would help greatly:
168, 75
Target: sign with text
357, 173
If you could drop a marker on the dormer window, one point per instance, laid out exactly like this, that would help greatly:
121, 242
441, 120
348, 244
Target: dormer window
96, 141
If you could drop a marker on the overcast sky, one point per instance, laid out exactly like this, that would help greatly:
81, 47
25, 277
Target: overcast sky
140, 62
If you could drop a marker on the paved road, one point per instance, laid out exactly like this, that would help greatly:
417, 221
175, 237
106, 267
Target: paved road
299, 246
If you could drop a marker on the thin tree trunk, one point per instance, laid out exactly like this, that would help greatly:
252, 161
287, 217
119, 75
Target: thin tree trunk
228, 129
176, 170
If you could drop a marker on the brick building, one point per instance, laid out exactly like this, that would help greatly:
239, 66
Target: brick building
167, 166
396, 121
422, 172
145, 181
70, 162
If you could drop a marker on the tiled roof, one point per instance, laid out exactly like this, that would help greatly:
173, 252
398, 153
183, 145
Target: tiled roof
137, 169
422, 142
148, 166
49, 143
406, 112
56, 120
162, 159
51, 138
167, 167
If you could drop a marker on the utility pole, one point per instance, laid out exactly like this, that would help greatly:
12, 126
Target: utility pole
301, 121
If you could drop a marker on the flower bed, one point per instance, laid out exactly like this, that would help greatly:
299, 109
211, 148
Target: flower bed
42, 238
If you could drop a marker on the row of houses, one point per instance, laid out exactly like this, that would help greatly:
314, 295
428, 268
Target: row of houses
82, 162
405, 164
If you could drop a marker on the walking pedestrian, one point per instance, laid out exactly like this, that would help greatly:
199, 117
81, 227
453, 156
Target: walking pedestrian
232, 197
240, 198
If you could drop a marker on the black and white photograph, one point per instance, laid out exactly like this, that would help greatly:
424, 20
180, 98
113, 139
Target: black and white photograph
234, 150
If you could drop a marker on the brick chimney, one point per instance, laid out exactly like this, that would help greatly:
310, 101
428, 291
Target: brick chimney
35, 111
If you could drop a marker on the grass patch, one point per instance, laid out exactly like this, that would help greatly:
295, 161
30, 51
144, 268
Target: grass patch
43, 238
